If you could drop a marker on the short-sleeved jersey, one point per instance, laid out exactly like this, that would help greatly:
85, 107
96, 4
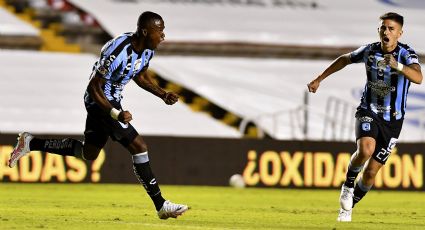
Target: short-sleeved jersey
118, 64
385, 92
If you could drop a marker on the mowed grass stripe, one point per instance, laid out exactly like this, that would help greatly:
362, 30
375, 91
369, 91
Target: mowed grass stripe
115, 206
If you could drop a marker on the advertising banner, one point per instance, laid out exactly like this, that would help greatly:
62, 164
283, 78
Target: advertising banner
212, 161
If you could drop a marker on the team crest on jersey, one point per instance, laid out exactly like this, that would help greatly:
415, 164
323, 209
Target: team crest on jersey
381, 64
366, 127
137, 65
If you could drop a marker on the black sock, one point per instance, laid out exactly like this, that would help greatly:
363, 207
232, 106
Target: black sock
64, 147
143, 171
360, 191
351, 176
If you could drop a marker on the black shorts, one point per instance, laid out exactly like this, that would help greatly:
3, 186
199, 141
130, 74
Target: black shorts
385, 133
100, 126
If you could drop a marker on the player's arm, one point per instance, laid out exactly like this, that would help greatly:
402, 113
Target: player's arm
336, 65
412, 72
96, 92
144, 81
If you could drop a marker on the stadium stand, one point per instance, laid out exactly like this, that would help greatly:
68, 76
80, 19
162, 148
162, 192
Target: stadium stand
51, 79
15, 33
260, 28
272, 94
48, 39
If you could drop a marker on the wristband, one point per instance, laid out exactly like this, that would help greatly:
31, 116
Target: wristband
114, 113
400, 66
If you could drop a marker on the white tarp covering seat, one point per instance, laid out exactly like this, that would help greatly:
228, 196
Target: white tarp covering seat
256, 89
43, 93
13, 26
15, 33
333, 23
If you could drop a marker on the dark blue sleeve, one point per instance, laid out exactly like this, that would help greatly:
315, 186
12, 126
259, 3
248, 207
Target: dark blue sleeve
358, 55
409, 56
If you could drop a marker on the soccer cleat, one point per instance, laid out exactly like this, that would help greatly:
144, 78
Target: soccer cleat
172, 210
344, 215
21, 149
346, 198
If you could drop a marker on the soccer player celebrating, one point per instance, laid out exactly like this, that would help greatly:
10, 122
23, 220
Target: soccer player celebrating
390, 67
122, 59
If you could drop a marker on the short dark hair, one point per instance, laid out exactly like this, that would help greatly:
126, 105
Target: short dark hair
145, 18
393, 16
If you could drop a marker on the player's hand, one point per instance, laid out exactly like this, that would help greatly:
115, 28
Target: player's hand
313, 86
390, 60
125, 117
170, 98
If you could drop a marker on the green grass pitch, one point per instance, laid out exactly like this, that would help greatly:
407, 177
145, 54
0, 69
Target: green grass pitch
100, 206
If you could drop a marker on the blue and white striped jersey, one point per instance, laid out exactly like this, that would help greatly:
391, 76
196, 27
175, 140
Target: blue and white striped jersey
118, 64
385, 92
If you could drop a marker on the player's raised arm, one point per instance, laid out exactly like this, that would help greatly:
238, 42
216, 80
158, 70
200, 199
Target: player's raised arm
144, 81
336, 65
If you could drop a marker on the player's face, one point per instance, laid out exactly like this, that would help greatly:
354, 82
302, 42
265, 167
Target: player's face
389, 33
155, 33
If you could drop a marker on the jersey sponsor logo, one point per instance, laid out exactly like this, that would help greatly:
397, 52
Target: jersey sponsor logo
108, 62
371, 58
128, 67
380, 72
102, 70
137, 65
366, 126
365, 119
147, 55
380, 87
117, 85
380, 108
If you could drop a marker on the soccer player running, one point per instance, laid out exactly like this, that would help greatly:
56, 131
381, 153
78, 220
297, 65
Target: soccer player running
390, 68
122, 59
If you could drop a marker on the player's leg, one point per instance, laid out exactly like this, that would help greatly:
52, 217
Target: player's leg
365, 148
387, 139
27, 143
143, 171
95, 139
367, 180
366, 134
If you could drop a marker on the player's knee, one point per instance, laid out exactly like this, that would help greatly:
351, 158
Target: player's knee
138, 145
90, 153
369, 175
366, 150
90, 156
142, 147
